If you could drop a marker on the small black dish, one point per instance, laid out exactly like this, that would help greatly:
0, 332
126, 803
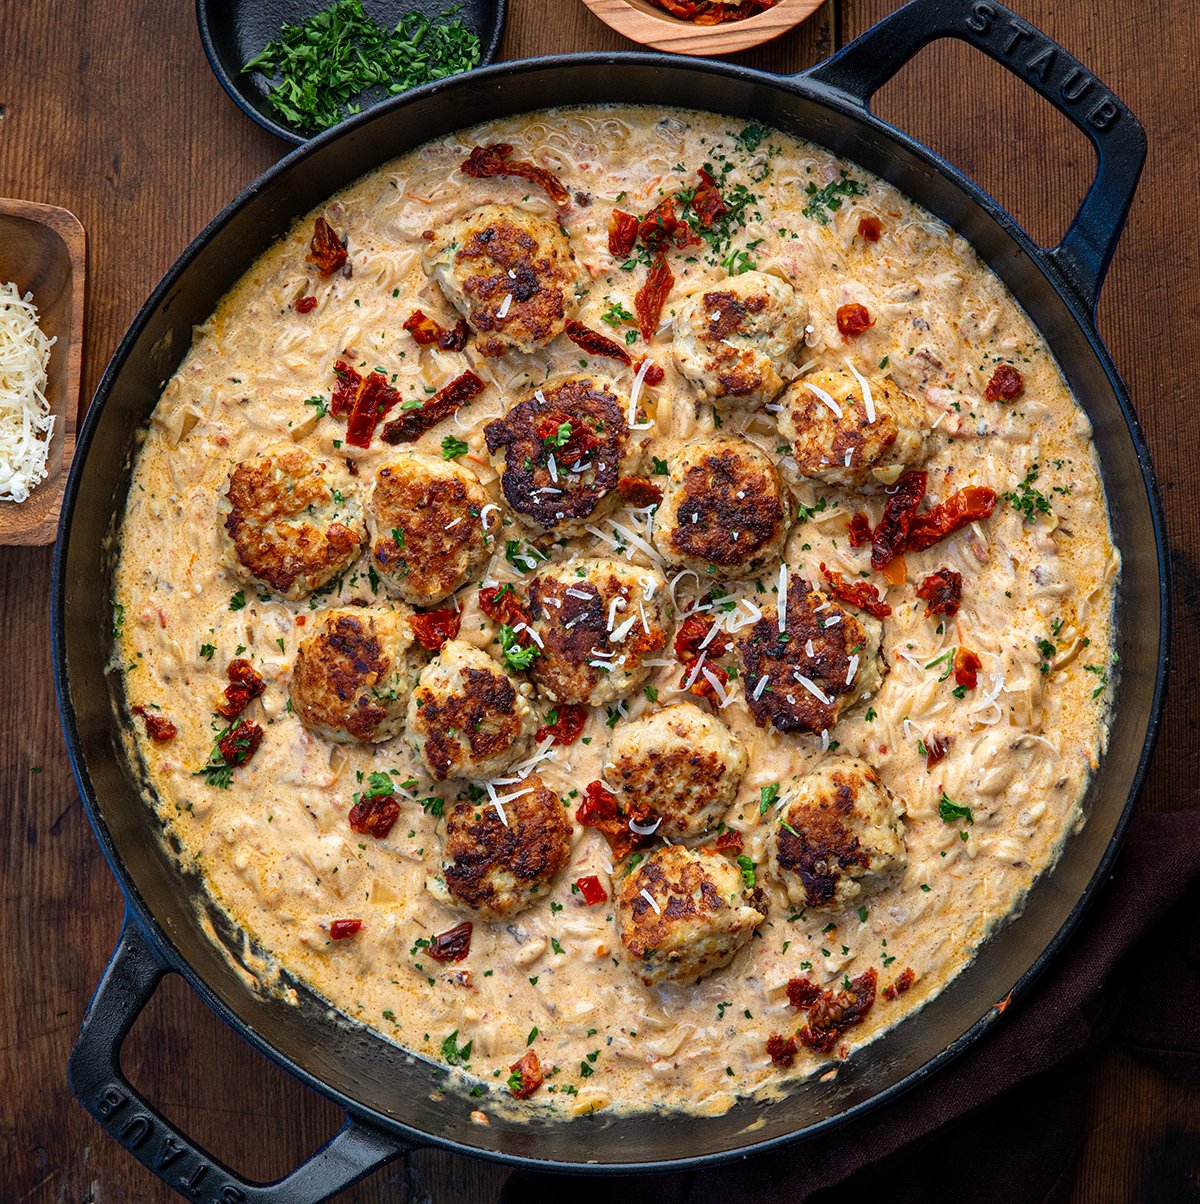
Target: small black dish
235, 31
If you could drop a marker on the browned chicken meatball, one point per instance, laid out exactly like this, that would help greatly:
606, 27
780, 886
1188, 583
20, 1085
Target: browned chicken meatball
838, 837
294, 523
466, 716
595, 621
725, 512
825, 660
561, 452
682, 914
838, 438
734, 341
425, 517
353, 675
682, 763
500, 858
511, 274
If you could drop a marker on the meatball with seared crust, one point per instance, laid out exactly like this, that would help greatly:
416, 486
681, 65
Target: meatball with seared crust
498, 858
425, 518
694, 920
733, 342
825, 660
838, 837
682, 763
294, 523
724, 512
595, 621
561, 452
466, 717
838, 438
353, 675
511, 274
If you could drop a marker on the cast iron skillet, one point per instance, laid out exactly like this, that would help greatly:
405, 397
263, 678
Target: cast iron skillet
390, 1098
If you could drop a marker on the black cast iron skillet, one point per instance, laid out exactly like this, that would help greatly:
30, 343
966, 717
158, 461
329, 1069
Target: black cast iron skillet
391, 1099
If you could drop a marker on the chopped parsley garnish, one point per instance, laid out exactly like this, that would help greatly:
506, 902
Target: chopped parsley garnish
522, 561
320, 403
1047, 651
747, 867
616, 314
515, 655
560, 438
660, 468
555, 945
1102, 673
949, 810
752, 135
452, 447
1029, 501
320, 67
767, 796
533, 1032
453, 1053
206, 651
238, 600
823, 202
651, 694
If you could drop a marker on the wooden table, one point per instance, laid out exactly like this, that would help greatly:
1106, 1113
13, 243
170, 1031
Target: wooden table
110, 110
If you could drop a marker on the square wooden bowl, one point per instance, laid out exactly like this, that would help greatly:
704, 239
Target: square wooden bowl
43, 252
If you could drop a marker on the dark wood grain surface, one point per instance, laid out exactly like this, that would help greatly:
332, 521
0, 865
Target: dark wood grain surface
110, 110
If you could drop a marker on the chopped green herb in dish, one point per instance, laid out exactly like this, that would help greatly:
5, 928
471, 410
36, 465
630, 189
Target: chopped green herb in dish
320, 68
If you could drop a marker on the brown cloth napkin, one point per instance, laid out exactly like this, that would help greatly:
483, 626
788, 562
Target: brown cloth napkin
1004, 1123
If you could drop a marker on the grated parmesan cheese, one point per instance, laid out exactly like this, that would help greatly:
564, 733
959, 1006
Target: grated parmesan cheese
26, 423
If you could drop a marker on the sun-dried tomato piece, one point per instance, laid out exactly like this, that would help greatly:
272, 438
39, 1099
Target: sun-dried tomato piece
654, 375
453, 945
158, 727
567, 726
902, 984
622, 232
339, 930
942, 589
305, 305
853, 319
702, 686
484, 162
240, 743
730, 841
580, 441
373, 399
595, 343
936, 747
433, 628
862, 594
600, 810
526, 1075
870, 228
639, 491
501, 604
326, 250
782, 1050
836, 1011
455, 339
966, 668
346, 389
245, 683
802, 992
890, 537
424, 329
707, 202
968, 505
374, 815
860, 530
411, 425
1006, 383
591, 890
650, 298
662, 227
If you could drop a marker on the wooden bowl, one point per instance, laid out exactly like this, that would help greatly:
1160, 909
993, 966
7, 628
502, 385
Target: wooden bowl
43, 252
644, 22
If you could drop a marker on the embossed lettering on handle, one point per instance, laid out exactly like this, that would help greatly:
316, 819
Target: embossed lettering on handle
856, 72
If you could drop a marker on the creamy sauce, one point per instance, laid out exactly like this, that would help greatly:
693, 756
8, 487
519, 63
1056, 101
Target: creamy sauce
276, 848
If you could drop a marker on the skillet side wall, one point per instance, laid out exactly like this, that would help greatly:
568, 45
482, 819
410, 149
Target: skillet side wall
356, 1068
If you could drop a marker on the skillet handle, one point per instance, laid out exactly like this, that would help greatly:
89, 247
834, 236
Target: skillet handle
862, 67
94, 1073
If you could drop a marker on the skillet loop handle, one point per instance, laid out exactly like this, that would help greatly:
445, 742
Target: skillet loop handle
861, 68
130, 979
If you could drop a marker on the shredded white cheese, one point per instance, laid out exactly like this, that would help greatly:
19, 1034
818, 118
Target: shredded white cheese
26, 423
825, 397
868, 400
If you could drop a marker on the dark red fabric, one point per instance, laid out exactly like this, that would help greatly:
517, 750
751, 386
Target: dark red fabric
1004, 1123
